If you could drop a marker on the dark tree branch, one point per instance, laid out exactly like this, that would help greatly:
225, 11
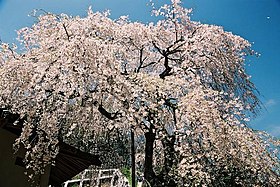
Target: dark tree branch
141, 60
68, 36
104, 112
176, 49
151, 63
167, 70
166, 53
157, 48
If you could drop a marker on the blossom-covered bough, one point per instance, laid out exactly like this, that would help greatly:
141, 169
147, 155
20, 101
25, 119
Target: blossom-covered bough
180, 84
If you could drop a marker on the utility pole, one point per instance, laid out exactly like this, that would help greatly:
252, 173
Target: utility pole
132, 157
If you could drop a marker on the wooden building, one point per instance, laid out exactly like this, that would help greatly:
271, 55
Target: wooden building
68, 163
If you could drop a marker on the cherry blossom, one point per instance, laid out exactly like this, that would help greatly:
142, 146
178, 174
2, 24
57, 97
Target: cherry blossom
181, 85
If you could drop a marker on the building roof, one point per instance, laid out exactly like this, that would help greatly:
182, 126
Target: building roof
69, 162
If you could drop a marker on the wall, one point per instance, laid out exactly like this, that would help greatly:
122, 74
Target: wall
12, 175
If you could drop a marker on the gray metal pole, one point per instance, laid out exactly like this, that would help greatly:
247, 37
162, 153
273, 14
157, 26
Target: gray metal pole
132, 158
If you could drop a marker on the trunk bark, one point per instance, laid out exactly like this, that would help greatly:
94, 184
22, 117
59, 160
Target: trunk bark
169, 153
149, 149
169, 160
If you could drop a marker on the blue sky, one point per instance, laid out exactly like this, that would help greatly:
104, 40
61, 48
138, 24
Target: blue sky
256, 20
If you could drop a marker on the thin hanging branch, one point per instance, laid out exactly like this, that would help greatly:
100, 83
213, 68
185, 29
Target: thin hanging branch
68, 36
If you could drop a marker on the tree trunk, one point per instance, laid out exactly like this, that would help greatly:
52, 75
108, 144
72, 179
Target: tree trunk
169, 160
148, 167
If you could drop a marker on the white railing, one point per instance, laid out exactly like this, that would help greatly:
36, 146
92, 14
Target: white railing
117, 178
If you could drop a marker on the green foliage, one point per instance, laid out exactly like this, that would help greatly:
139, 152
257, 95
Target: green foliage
127, 173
